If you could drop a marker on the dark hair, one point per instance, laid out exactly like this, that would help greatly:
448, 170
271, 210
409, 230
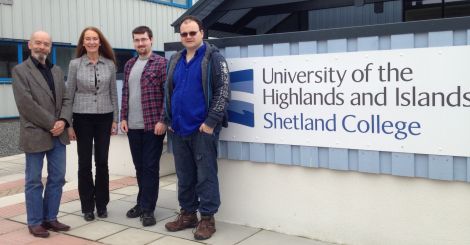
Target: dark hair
142, 30
105, 48
192, 18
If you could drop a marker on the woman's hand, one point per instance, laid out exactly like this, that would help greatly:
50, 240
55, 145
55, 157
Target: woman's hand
114, 128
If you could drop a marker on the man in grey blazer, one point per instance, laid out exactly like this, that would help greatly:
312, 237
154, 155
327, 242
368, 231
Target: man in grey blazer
45, 112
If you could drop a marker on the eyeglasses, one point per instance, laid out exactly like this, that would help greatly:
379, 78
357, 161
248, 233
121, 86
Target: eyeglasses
191, 34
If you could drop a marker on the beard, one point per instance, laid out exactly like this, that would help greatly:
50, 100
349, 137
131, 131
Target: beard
39, 56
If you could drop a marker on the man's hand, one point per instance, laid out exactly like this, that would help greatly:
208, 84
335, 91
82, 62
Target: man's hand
206, 129
114, 128
124, 126
58, 128
71, 133
160, 128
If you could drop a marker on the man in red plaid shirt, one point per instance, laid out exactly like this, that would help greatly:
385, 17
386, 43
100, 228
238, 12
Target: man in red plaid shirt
141, 119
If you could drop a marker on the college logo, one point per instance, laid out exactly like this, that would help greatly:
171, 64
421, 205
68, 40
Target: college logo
241, 112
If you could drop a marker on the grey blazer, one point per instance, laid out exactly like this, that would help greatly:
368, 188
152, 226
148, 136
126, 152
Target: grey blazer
85, 96
38, 111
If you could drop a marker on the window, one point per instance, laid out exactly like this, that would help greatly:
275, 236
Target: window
176, 3
25, 51
122, 56
435, 9
8, 58
63, 56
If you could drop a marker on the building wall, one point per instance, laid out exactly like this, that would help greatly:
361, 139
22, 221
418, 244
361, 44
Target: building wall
65, 19
355, 16
450, 168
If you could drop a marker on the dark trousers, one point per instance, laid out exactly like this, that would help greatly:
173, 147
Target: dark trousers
146, 150
196, 168
91, 128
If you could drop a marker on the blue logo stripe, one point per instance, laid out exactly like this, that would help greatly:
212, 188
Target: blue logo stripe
241, 112
242, 81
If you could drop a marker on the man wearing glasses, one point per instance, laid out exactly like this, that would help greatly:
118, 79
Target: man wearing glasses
142, 120
196, 100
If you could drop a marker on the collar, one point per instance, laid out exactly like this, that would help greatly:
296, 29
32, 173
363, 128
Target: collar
201, 49
87, 61
39, 65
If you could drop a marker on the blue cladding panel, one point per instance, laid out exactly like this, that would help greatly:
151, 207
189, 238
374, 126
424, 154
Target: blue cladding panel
281, 49
257, 152
441, 38
308, 47
403, 164
243, 52
322, 47
268, 50
385, 162
353, 156
338, 159
232, 52
295, 149
367, 43
441, 167
369, 161
323, 155
269, 152
234, 150
245, 151
402, 41
352, 45
255, 51
468, 37
460, 38
460, 168
282, 154
309, 156
421, 40
421, 165
294, 48
337, 45
468, 169
223, 151
384, 42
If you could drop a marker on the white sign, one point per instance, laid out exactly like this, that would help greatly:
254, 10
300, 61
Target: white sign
415, 100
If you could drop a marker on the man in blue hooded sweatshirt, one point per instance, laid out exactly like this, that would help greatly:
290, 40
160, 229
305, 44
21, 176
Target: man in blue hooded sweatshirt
196, 98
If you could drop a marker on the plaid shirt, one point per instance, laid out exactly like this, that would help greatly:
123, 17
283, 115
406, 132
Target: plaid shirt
151, 86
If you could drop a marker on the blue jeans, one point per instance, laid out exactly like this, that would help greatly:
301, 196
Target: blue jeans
41, 209
196, 168
146, 150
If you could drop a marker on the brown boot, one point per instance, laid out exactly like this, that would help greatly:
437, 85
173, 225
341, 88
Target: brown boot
205, 228
183, 221
38, 231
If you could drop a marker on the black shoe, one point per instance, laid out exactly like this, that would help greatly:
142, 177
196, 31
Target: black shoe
148, 219
89, 216
134, 212
102, 213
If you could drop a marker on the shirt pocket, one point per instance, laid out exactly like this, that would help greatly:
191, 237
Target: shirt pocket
151, 79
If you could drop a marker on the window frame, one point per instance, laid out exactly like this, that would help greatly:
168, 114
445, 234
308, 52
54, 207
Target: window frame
19, 56
172, 3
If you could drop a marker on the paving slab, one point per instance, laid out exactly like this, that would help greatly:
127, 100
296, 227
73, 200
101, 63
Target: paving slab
274, 238
96, 230
226, 233
131, 236
169, 240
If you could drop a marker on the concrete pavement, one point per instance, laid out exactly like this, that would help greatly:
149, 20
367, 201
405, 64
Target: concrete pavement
117, 228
